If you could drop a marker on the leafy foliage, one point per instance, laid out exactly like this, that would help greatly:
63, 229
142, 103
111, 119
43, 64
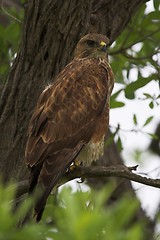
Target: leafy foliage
9, 220
79, 215
138, 48
135, 59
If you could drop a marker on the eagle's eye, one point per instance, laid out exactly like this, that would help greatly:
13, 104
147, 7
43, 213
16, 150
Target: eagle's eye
91, 43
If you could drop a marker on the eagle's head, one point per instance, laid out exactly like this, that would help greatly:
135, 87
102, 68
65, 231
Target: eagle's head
92, 45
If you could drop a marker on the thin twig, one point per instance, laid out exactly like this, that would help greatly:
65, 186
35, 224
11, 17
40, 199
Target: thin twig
8, 14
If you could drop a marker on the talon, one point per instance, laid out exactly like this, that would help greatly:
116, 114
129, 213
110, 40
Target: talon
75, 164
71, 168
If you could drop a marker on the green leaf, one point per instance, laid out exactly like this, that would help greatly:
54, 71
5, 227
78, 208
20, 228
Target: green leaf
117, 68
158, 97
141, 82
156, 4
154, 15
113, 102
148, 121
135, 119
115, 95
151, 105
116, 104
137, 154
147, 95
154, 136
119, 144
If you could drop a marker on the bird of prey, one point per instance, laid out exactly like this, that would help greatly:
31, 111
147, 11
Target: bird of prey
71, 117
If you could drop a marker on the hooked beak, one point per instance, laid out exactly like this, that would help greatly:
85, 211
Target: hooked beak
103, 46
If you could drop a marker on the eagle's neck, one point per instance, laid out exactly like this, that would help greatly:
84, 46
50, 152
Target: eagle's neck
93, 54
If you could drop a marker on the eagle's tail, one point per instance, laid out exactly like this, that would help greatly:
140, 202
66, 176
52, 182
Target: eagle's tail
53, 169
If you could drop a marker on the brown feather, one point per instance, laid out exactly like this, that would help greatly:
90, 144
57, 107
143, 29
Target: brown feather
52, 170
81, 105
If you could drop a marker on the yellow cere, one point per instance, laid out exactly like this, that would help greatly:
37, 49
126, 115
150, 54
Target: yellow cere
103, 44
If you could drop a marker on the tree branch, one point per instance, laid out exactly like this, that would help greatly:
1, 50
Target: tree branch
112, 171
93, 172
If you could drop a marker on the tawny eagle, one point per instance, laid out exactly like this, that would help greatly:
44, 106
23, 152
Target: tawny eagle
71, 117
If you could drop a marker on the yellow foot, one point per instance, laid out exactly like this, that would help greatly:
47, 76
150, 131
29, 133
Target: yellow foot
76, 163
